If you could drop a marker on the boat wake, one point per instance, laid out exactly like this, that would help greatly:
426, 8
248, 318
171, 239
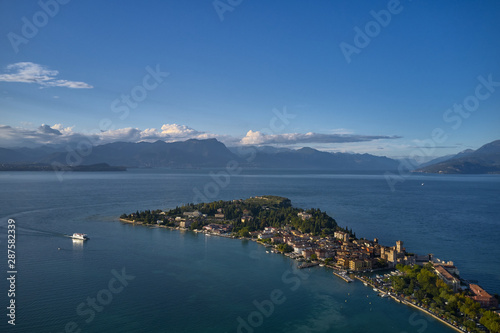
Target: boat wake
37, 232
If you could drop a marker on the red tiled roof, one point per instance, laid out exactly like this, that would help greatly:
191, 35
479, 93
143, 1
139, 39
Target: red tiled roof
478, 290
441, 270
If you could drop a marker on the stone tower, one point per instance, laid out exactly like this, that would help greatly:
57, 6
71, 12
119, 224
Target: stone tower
399, 246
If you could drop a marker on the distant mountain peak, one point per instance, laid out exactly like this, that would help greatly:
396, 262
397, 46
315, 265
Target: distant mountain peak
308, 150
484, 160
489, 148
198, 153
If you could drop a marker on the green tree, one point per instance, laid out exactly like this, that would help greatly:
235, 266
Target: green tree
244, 232
284, 248
491, 321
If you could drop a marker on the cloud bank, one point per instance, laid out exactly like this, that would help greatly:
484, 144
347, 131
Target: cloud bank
258, 138
59, 135
28, 72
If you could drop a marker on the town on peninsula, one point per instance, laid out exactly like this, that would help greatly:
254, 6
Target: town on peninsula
313, 238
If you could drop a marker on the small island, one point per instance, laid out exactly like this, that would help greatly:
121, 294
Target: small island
314, 238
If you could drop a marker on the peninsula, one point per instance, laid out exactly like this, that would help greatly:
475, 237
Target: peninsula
314, 238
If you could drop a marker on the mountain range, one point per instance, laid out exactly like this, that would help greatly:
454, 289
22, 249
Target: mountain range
484, 160
209, 153
195, 153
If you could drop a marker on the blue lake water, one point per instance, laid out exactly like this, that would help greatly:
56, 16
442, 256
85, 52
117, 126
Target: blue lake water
187, 282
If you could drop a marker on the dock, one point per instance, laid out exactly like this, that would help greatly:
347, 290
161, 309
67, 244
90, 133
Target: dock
343, 276
308, 264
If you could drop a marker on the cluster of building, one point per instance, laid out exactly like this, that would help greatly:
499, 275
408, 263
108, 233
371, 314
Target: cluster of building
215, 228
189, 218
343, 252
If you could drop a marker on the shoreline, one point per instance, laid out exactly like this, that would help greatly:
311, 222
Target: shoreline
334, 270
432, 315
405, 302
128, 221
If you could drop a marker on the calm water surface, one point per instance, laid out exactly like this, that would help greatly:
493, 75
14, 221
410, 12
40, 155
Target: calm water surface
188, 282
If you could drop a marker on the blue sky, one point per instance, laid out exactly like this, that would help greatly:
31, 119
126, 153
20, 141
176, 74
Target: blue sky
253, 72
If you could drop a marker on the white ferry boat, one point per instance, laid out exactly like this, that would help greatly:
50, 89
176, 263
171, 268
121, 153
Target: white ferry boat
80, 236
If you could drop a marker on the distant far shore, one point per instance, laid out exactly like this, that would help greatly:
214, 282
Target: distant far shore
48, 167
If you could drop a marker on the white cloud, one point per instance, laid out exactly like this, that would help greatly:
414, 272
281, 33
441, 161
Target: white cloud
63, 130
28, 72
177, 130
43, 135
253, 138
48, 130
61, 136
167, 133
123, 134
258, 138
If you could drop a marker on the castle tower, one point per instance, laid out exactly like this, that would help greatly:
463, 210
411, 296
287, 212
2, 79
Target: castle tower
399, 246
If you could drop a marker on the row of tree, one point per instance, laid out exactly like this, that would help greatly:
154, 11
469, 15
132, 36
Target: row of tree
428, 289
266, 211
147, 216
